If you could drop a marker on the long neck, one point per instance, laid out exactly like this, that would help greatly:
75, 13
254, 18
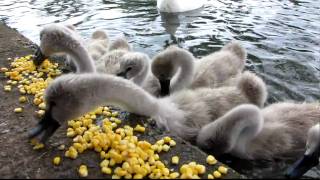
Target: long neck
233, 130
185, 76
101, 89
142, 76
82, 59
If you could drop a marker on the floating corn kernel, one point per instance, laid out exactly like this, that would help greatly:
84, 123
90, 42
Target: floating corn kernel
223, 170
210, 176
106, 170
167, 139
114, 114
18, 110
175, 160
172, 143
22, 99
83, 171
56, 160
165, 148
216, 174
211, 160
38, 146
139, 128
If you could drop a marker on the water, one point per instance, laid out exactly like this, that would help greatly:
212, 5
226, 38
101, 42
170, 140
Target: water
282, 37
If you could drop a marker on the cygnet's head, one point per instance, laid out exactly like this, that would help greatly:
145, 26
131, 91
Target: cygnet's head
132, 64
120, 43
99, 34
55, 39
311, 155
164, 66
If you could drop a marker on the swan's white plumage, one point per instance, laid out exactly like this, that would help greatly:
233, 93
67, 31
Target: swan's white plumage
174, 6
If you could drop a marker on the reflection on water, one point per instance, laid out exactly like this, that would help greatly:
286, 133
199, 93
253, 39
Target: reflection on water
282, 36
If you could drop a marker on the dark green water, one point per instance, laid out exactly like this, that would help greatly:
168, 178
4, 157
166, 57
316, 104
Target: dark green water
282, 37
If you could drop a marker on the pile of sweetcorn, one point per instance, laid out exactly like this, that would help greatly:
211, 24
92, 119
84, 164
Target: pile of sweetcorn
122, 154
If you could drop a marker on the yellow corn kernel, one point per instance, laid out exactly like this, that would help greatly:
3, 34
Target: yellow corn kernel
38, 146
22, 99
7, 88
114, 114
216, 174
128, 176
106, 113
83, 171
42, 106
138, 176
201, 169
71, 133
223, 170
104, 163
40, 113
167, 139
174, 175
106, 170
165, 148
62, 147
18, 110
139, 128
3, 69
56, 160
211, 160
115, 177
118, 121
175, 160
160, 142
210, 176
172, 143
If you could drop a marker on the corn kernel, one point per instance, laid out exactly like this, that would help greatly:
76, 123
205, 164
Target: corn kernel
83, 171
165, 148
223, 170
115, 177
106, 170
18, 110
3, 69
61, 147
104, 163
174, 175
216, 174
56, 160
210, 176
40, 113
138, 176
175, 160
114, 114
172, 143
22, 99
42, 106
211, 160
38, 146
201, 169
167, 139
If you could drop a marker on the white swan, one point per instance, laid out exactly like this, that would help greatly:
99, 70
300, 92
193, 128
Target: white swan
174, 6
311, 156
184, 112
278, 131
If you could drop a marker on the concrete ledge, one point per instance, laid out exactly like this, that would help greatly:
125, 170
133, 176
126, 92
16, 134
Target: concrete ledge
19, 160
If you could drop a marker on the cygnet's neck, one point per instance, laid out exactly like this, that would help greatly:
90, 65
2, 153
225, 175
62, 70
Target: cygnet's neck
82, 59
185, 62
143, 73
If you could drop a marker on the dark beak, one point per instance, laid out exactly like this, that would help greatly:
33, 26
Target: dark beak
123, 75
165, 87
47, 125
300, 167
39, 57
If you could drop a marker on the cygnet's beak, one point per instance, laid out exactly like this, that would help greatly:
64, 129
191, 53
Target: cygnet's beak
39, 57
123, 75
165, 87
305, 163
47, 125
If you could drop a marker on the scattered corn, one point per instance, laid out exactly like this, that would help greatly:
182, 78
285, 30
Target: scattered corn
22, 99
175, 160
217, 174
83, 171
223, 170
211, 160
18, 110
210, 176
56, 160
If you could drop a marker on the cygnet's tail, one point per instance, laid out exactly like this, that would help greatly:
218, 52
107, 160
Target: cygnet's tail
253, 87
235, 48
